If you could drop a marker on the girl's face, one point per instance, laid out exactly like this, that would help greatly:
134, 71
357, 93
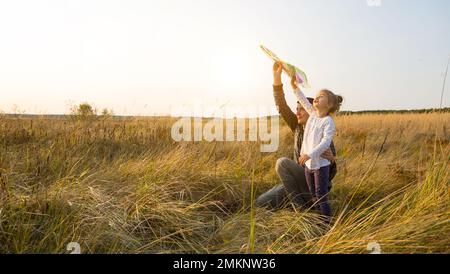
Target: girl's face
321, 101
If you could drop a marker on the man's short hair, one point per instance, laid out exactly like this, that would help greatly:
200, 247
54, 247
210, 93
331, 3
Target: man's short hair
311, 100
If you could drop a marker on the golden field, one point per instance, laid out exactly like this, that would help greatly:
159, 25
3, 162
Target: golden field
124, 186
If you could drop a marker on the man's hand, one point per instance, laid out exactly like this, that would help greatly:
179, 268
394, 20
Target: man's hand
277, 70
328, 154
294, 83
302, 159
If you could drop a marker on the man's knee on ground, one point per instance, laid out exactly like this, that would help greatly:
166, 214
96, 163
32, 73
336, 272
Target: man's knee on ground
281, 164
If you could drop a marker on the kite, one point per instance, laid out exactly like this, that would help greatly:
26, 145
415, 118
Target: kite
290, 70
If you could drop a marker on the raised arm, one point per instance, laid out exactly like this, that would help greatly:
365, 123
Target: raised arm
285, 112
302, 98
280, 101
327, 138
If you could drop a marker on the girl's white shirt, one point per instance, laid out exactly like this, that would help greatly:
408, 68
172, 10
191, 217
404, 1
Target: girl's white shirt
318, 134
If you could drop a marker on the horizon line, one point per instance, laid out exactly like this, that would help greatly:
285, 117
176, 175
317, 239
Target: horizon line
444, 109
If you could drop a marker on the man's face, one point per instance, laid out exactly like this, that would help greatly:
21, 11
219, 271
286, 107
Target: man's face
302, 115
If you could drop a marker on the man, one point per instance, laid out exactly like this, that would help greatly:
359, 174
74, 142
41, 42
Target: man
293, 185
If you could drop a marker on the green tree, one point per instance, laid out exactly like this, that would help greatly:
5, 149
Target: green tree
84, 111
107, 113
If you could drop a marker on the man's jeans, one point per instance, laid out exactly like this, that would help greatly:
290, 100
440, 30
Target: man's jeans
293, 188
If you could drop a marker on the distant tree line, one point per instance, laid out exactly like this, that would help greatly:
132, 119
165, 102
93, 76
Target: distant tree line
430, 110
86, 111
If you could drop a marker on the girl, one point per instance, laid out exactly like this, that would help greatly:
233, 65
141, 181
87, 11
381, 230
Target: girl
319, 132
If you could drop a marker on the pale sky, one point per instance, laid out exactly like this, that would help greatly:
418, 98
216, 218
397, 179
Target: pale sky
145, 57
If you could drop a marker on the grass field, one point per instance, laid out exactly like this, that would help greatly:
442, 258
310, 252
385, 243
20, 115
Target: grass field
123, 186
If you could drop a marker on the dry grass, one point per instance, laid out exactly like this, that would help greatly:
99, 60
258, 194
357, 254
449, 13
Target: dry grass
126, 187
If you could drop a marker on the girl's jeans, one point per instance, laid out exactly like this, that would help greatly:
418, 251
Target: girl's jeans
318, 181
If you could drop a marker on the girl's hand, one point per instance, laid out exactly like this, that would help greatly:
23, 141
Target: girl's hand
303, 159
294, 83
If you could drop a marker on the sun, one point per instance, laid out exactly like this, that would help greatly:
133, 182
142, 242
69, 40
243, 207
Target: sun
230, 68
